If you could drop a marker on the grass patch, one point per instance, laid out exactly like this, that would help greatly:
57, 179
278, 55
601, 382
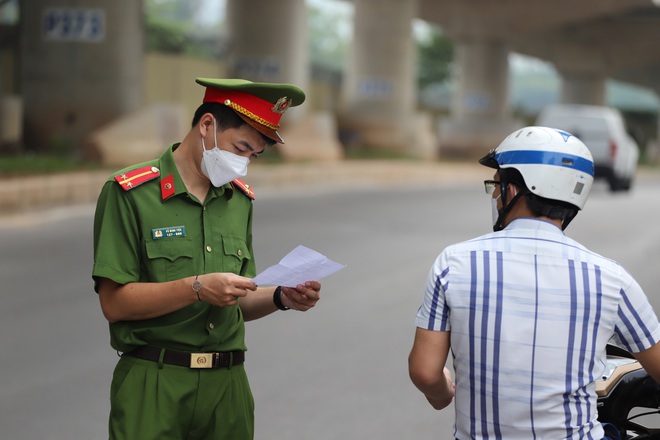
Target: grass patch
270, 156
356, 153
273, 156
34, 165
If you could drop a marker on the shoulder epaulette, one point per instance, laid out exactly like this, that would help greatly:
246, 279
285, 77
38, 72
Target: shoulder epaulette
244, 187
136, 177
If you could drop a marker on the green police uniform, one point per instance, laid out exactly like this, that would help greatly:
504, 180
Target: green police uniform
149, 229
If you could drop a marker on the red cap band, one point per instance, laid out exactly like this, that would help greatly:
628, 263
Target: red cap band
257, 109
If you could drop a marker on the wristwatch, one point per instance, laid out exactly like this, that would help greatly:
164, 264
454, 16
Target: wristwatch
277, 299
197, 286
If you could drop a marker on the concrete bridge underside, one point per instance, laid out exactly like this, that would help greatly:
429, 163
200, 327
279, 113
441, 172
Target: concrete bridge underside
64, 83
587, 41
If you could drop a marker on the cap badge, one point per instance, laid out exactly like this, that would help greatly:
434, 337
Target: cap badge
281, 105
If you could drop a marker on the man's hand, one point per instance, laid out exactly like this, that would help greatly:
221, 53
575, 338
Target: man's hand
224, 289
303, 297
426, 365
444, 402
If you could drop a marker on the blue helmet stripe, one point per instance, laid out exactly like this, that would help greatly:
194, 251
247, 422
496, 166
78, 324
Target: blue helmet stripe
532, 157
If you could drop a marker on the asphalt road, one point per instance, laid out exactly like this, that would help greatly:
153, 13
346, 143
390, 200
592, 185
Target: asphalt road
336, 372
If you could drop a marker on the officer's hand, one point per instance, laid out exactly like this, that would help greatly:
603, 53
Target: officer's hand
303, 297
224, 289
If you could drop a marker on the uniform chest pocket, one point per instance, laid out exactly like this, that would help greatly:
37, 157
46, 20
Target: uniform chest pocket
169, 258
236, 253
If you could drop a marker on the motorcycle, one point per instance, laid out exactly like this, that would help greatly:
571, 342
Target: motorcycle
627, 393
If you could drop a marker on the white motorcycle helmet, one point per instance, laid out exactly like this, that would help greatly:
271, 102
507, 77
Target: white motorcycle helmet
554, 164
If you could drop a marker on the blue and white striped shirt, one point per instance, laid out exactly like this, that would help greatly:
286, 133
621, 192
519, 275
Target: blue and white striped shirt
530, 312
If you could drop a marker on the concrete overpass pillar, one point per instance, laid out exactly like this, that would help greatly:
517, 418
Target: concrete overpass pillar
82, 63
583, 88
583, 69
271, 46
479, 117
378, 104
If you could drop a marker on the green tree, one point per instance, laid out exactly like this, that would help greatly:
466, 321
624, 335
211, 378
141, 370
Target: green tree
171, 26
329, 36
435, 56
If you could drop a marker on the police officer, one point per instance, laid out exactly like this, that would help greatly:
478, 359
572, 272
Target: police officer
173, 263
526, 311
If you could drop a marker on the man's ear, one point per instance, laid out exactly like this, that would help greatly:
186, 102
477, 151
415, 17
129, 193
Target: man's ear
206, 124
511, 191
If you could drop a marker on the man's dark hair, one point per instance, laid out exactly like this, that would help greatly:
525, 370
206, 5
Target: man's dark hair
225, 117
540, 206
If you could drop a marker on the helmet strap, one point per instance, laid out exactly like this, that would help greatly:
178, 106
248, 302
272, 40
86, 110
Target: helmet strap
506, 207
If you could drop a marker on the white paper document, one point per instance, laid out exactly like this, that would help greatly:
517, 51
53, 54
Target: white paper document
300, 265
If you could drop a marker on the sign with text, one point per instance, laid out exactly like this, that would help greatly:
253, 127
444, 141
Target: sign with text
74, 24
375, 88
257, 69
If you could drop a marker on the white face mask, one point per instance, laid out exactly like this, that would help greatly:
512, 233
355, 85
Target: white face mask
495, 214
222, 166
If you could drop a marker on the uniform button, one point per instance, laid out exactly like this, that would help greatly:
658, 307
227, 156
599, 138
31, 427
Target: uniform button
211, 326
240, 253
208, 248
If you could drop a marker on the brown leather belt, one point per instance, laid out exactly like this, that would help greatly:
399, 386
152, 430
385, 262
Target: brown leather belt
223, 359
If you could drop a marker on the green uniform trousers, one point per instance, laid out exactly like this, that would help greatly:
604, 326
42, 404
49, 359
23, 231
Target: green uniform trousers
156, 401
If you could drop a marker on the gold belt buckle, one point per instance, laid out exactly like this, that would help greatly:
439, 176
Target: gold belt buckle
201, 360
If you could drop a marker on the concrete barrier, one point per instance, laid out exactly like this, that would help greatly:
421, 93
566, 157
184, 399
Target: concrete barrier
48, 191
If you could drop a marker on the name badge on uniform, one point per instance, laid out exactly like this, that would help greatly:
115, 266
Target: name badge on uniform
172, 231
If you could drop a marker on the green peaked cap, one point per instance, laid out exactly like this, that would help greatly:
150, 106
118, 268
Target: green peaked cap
270, 92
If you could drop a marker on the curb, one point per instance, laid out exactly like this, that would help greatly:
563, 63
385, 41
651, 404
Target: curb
30, 194
19, 195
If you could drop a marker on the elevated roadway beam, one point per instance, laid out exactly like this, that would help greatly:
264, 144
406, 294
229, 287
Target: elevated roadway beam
588, 42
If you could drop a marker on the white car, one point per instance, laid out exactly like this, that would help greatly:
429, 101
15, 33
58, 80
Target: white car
603, 131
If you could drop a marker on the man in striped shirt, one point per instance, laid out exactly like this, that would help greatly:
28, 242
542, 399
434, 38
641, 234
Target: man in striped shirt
526, 311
